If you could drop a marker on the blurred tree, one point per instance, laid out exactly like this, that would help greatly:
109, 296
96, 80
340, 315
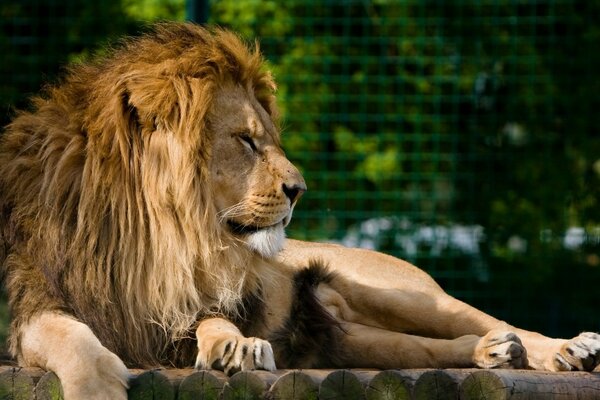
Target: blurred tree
467, 100
153, 10
37, 38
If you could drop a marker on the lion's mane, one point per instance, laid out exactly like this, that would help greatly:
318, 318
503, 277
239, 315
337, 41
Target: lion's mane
104, 199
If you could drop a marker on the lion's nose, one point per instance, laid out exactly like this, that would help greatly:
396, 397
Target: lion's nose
294, 191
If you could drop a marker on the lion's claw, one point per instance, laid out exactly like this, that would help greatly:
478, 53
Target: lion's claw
500, 349
242, 354
581, 353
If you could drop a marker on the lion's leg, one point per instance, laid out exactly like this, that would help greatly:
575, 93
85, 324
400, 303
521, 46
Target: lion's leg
378, 290
581, 353
86, 369
222, 346
379, 348
433, 313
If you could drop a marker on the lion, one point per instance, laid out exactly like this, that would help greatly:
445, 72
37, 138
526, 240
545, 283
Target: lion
144, 200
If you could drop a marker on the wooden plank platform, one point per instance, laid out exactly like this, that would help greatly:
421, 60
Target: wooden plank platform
184, 384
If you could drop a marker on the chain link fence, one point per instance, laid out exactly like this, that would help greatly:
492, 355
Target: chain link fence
462, 136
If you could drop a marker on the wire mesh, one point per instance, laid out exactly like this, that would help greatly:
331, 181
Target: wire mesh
458, 135
462, 136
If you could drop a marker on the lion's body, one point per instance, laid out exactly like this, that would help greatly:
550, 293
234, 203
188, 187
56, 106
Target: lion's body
142, 207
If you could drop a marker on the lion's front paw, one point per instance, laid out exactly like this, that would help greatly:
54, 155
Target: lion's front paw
579, 354
239, 354
105, 378
500, 349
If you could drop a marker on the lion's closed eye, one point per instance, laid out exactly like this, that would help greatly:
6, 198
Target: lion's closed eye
248, 141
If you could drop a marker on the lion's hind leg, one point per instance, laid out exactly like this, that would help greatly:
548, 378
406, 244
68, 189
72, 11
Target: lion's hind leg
396, 328
366, 346
325, 329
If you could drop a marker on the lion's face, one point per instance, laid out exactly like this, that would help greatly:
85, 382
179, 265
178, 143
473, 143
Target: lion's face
255, 185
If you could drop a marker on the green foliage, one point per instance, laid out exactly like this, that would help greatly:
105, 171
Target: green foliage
37, 38
153, 10
376, 164
253, 18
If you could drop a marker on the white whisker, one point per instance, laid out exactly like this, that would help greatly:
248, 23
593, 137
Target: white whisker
235, 210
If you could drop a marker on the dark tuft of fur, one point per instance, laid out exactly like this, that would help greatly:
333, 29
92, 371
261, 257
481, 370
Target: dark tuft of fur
310, 336
251, 313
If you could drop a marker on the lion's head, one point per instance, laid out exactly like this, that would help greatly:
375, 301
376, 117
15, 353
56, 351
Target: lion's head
144, 185
256, 187
214, 99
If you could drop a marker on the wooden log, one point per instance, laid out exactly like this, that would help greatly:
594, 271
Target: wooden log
295, 385
176, 375
390, 385
439, 384
342, 385
49, 387
201, 385
32, 372
29, 383
317, 375
532, 385
16, 384
151, 385
269, 377
247, 385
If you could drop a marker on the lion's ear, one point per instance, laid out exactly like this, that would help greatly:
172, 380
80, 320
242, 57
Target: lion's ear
154, 98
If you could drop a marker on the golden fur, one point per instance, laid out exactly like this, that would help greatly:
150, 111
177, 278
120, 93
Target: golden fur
143, 201
103, 188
